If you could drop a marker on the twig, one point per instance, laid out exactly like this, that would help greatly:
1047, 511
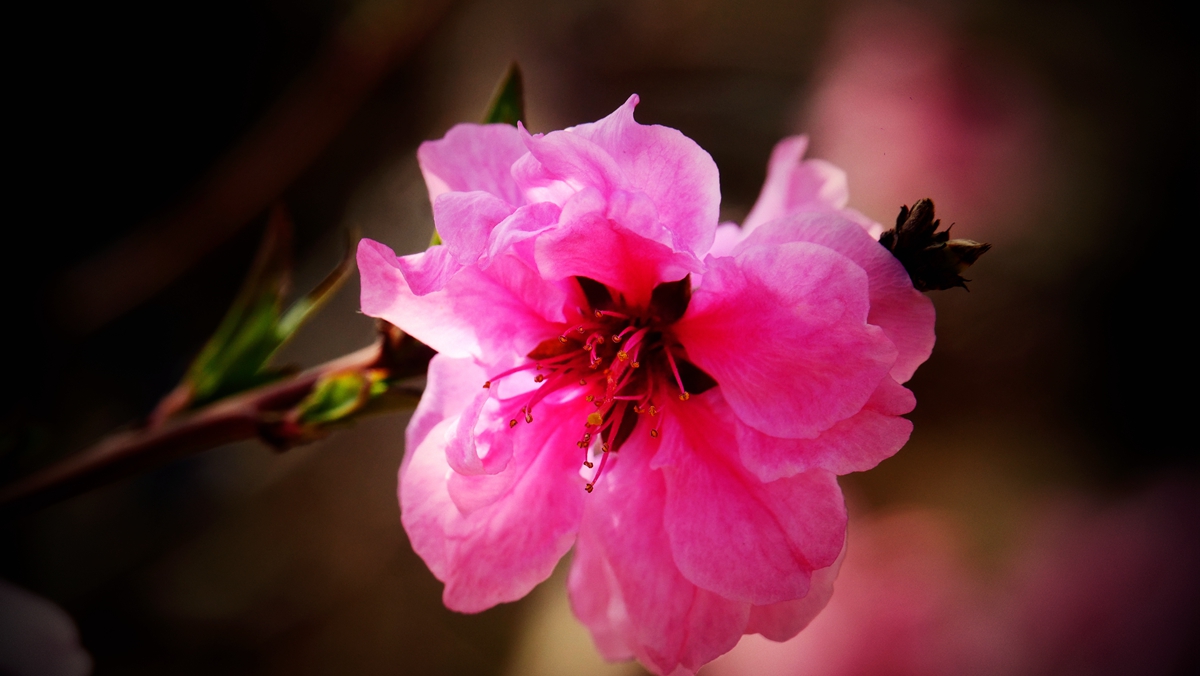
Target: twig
261, 413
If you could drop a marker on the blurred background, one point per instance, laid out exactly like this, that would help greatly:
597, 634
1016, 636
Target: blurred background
1043, 518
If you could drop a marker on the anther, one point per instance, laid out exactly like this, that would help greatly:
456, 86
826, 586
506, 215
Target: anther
598, 314
512, 423
636, 364
487, 385
539, 378
604, 447
528, 417
594, 419
562, 339
583, 381
622, 355
616, 338
588, 464
654, 433
588, 488
685, 396
589, 397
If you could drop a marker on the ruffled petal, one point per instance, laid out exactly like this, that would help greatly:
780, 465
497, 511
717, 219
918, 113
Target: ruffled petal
513, 234
781, 621
624, 583
465, 221
487, 314
793, 186
855, 444
429, 270
728, 236
680, 178
588, 243
731, 533
905, 314
783, 330
570, 158
473, 157
507, 544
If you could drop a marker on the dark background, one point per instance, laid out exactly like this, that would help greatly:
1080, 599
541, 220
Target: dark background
152, 137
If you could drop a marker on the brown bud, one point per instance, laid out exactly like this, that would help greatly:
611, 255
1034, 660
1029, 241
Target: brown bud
932, 259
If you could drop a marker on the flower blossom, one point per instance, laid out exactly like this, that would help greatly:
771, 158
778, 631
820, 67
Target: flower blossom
617, 374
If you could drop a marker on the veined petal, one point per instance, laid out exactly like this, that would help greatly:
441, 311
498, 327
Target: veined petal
429, 270
783, 330
680, 178
793, 186
730, 532
781, 621
855, 444
451, 384
465, 221
625, 585
514, 232
570, 158
473, 157
498, 551
905, 314
586, 243
487, 314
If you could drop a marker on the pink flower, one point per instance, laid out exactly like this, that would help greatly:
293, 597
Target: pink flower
593, 332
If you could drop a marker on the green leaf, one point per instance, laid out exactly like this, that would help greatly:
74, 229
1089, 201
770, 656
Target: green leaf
238, 355
233, 357
508, 101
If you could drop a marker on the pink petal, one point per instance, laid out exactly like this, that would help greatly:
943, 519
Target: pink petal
514, 232
463, 446
499, 551
624, 584
728, 236
571, 158
465, 221
678, 175
855, 444
783, 331
473, 157
904, 313
450, 383
487, 314
793, 186
429, 270
781, 621
588, 244
731, 533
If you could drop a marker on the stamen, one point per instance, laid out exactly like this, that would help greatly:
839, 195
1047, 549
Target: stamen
684, 396
599, 471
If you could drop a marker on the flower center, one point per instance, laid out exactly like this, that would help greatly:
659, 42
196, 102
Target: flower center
623, 360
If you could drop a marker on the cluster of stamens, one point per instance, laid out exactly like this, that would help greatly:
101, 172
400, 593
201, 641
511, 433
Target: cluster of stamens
617, 361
